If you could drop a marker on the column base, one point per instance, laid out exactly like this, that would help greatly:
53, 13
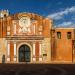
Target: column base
34, 59
15, 59
8, 59
40, 59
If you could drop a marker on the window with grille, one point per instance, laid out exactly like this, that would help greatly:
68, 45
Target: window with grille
69, 35
59, 35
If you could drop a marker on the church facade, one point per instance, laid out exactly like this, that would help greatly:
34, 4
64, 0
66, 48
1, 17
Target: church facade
31, 38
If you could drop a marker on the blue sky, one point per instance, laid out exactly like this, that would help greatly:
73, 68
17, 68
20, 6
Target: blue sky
61, 11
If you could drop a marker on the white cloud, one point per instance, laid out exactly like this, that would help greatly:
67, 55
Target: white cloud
66, 24
59, 15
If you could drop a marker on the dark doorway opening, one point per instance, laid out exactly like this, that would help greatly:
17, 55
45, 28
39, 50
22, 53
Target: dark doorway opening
24, 53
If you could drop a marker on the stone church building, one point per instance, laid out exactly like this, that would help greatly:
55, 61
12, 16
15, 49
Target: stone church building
31, 38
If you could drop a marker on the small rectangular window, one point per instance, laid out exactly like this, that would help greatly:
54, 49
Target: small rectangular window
69, 35
59, 35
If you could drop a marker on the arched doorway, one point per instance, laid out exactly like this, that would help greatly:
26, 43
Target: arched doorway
24, 53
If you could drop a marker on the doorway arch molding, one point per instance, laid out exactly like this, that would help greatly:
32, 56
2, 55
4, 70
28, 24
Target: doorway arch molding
24, 43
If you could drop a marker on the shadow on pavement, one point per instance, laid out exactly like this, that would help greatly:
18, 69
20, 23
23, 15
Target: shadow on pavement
34, 69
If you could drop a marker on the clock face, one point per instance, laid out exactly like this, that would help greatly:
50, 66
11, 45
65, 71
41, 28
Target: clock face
24, 21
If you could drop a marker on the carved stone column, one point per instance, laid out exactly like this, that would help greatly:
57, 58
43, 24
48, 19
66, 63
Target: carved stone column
15, 29
14, 51
8, 52
34, 59
40, 51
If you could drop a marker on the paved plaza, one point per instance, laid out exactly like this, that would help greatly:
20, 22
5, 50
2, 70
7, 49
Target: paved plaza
37, 69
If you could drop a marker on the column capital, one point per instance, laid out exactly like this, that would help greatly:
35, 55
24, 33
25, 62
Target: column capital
34, 42
40, 42
14, 42
8, 42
